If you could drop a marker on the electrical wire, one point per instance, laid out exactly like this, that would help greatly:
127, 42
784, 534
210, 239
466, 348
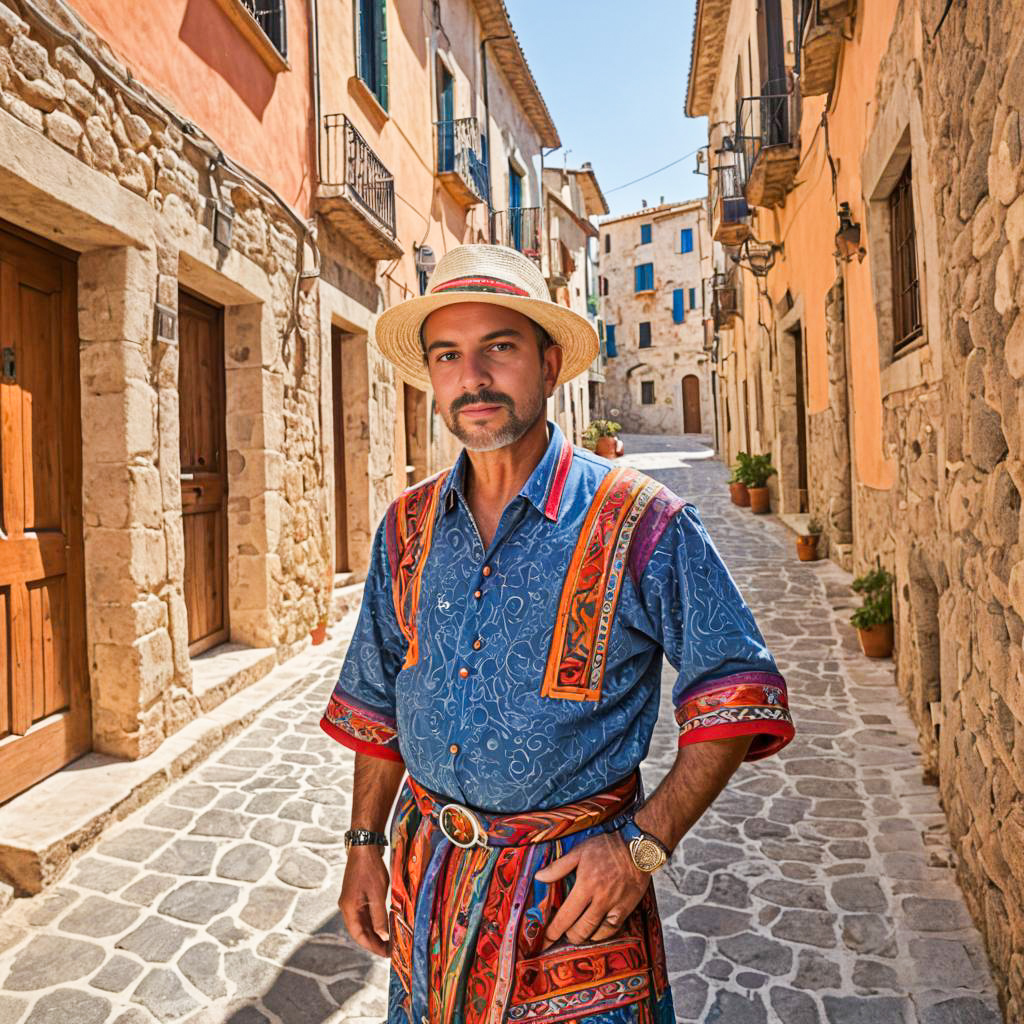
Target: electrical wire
644, 177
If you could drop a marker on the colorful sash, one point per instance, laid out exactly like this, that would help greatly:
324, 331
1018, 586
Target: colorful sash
468, 921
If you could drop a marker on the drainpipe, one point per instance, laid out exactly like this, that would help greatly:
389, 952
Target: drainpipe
487, 130
314, 71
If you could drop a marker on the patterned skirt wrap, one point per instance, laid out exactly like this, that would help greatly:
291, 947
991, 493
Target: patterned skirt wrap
467, 925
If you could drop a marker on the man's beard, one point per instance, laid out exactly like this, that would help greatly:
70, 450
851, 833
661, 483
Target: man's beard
482, 440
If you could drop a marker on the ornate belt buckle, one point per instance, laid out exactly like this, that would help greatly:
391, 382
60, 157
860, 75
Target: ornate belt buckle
460, 826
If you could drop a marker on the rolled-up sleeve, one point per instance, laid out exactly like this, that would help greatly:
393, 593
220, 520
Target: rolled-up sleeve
728, 683
361, 712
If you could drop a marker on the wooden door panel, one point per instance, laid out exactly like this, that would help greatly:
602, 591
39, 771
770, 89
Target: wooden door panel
44, 692
203, 448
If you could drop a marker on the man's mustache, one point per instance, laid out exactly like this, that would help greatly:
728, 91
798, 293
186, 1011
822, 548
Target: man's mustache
482, 398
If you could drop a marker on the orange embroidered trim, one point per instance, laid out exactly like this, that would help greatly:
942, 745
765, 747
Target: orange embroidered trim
590, 594
414, 530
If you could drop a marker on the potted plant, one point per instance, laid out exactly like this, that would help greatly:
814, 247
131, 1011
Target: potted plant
602, 433
807, 543
318, 634
737, 481
873, 618
756, 475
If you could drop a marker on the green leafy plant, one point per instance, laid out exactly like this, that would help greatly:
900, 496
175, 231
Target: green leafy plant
758, 470
814, 528
601, 428
876, 608
739, 471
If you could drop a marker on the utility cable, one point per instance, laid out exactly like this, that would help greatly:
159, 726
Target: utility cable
644, 177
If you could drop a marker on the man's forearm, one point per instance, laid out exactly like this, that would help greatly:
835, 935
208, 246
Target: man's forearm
373, 791
699, 774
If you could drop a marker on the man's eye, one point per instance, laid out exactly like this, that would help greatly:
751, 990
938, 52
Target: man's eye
446, 357
501, 346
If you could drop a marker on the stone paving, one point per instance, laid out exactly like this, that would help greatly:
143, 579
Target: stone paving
819, 888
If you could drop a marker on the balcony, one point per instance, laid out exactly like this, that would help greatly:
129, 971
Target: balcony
730, 214
725, 299
823, 33
357, 192
462, 171
518, 228
767, 135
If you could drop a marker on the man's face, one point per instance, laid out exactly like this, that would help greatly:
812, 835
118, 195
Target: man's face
490, 378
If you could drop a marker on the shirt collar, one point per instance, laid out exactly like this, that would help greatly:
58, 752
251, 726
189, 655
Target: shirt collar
543, 489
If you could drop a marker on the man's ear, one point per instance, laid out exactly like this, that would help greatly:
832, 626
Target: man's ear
552, 368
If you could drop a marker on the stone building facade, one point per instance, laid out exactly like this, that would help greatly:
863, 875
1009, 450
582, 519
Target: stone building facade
200, 435
879, 358
653, 264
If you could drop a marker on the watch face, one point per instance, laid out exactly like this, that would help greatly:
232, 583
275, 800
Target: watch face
647, 855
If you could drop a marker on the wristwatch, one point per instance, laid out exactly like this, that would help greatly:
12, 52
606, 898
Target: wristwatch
648, 852
364, 837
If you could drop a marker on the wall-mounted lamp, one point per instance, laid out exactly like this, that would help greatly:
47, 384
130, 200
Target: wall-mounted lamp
425, 259
758, 257
165, 325
223, 223
848, 236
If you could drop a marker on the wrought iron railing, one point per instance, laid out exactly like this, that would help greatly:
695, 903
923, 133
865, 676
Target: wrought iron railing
727, 183
458, 150
725, 298
518, 228
270, 16
770, 119
349, 161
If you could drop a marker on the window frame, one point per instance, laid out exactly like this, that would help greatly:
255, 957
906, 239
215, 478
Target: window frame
607, 243
643, 334
685, 241
646, 234
375, 77
905, 272
639, 277
647, 392
609, 340
678, 306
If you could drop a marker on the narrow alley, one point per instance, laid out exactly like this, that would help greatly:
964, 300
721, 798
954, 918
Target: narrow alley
819, 888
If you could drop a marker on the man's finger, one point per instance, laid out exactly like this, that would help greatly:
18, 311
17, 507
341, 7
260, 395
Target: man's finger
575, 904
611, 924
379, 918
559, 868
586, 924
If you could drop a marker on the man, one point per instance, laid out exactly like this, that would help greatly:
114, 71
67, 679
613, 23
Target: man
508, 656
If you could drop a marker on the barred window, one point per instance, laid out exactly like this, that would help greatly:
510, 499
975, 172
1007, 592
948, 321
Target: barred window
270, 16
906, 296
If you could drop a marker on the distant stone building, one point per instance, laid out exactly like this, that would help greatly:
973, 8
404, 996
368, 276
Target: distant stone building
866, 161
652, 267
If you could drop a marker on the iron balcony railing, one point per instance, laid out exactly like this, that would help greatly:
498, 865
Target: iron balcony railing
270, 16
727, 189
458, 150
725, 298
349, 161
519, 228
766, 120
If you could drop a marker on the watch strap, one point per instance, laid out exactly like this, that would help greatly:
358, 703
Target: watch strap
631, 832
364, 837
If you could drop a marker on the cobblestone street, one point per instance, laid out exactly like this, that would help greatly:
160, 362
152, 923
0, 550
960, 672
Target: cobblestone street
819, 888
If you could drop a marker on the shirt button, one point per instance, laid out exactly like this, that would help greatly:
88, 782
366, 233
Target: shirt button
477, 644
453, 749
463, 673
477, 594
487, 570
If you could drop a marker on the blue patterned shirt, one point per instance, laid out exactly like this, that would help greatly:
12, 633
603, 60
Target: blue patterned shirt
469, 718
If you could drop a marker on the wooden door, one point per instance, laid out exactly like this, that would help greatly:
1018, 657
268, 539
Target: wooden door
801, 417
204, 487
691, 404
44, 688
341, 559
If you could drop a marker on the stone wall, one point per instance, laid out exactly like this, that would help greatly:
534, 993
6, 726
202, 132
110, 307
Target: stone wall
78, 112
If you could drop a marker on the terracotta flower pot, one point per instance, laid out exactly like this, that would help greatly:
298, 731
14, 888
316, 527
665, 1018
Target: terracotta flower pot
759, 500
807, 547
606, 447
877, 641
318, 633
739, 494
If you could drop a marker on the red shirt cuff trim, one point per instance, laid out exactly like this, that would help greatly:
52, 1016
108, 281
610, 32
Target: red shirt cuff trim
386, 753
771, 736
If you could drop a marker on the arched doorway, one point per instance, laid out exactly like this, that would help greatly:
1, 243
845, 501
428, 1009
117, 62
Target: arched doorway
691, 404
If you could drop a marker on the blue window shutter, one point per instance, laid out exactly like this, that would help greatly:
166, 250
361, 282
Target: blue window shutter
645, 233
382, 54
609, 336
644, 277
677, 306
686, 240
693, 298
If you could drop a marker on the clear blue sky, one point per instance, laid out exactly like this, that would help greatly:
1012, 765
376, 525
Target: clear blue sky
613, 74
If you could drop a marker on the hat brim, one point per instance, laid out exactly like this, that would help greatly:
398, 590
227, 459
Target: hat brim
397, 332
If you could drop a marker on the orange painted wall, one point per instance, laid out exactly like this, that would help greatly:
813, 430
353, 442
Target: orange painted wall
807, 225
191, 54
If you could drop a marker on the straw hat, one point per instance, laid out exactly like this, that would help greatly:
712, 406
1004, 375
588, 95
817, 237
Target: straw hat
493, 274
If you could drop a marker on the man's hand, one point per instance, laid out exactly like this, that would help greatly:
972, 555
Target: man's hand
607, 888
363, 899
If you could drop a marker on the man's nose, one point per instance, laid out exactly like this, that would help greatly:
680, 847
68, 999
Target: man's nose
475, 374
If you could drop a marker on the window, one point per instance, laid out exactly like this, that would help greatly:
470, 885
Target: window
677, 306
644, 277
645, 335
609, 337
607, 243
647, 392
270, 16
372, 58
686, 240
604, 285
906, 298
693, 298
645, 234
